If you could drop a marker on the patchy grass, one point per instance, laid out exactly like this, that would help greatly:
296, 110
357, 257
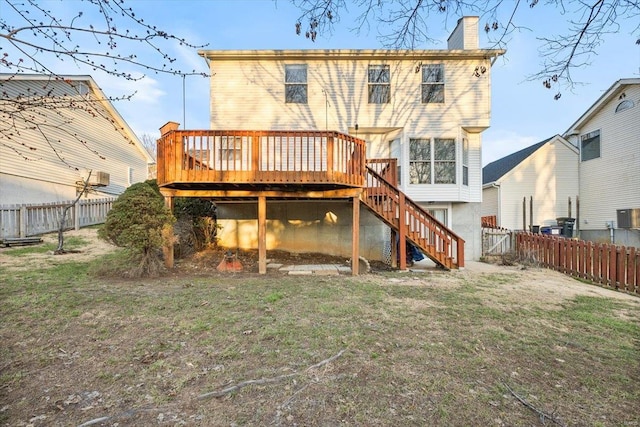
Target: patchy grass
433, 349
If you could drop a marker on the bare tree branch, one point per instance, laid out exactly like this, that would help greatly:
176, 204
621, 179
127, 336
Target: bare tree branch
406, 24
102, 36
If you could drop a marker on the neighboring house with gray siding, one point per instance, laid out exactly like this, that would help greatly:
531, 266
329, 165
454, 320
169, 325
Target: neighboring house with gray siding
425, 108
608, 135
545, 174
69, 128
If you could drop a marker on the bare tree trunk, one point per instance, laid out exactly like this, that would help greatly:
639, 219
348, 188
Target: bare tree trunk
60, 249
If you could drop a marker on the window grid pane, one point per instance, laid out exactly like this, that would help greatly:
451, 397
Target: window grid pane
379, 78
444, 166
420, 161
432, 84
295, 77
590, 146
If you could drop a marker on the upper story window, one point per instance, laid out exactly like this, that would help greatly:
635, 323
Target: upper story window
379, 84
433, 84
295, 83
432, 161
624, 105
590, 145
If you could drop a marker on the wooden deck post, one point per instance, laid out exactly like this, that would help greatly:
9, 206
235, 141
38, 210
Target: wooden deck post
168, 239
402, 233
394, 249
262, 235
355, 238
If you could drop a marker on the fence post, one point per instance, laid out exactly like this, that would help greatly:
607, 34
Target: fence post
76, 216
631, 276
23, 221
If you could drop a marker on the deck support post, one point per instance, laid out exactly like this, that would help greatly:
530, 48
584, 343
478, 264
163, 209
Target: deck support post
394, 249
262, 235
402, 232
355, 237
167, 236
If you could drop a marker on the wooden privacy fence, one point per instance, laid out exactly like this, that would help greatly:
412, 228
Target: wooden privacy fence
497, 241
33, 219
610, 265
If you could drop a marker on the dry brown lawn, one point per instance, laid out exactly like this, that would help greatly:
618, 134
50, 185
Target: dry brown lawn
501, 346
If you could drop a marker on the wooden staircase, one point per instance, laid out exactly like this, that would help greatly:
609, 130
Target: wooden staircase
409, 220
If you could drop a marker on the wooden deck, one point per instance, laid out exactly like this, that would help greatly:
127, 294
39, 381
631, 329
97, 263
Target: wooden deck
236, 164
260, 160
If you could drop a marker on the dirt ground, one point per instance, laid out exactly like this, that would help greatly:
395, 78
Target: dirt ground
541, 285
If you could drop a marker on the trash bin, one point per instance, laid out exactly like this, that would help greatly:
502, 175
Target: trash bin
551, 230
567, 225
535, 229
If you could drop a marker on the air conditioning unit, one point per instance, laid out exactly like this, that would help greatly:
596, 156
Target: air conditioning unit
98, 179
629, 218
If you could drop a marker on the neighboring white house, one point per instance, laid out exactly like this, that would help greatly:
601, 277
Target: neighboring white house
608, 135
426, 108
69, 127
544, 176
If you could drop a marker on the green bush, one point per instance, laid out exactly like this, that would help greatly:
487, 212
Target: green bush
197, 226
135, 222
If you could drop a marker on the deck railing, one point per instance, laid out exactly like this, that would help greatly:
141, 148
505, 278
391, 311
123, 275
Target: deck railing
254, 157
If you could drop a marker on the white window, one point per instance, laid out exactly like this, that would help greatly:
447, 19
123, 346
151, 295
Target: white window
624, 105
590, 145
379, 77
465, 161
295, 83
433, 84
432, 161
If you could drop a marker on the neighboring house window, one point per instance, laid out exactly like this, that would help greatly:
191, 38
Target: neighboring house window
465, 161
432, 84
230, 150
295, 83
432, 161
590, 145
624, 105
379, 84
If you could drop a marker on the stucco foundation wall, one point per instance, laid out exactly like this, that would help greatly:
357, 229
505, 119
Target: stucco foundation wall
303, 227
621, 236
465, 220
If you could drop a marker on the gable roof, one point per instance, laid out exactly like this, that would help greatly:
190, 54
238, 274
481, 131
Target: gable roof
120, 124
499, 168
613, 91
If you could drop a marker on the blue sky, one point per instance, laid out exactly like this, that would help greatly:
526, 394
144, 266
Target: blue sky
523, 112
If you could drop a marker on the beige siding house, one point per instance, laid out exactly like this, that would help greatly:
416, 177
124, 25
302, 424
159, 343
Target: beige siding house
608, 135
544, 174
425, 108
68, 129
